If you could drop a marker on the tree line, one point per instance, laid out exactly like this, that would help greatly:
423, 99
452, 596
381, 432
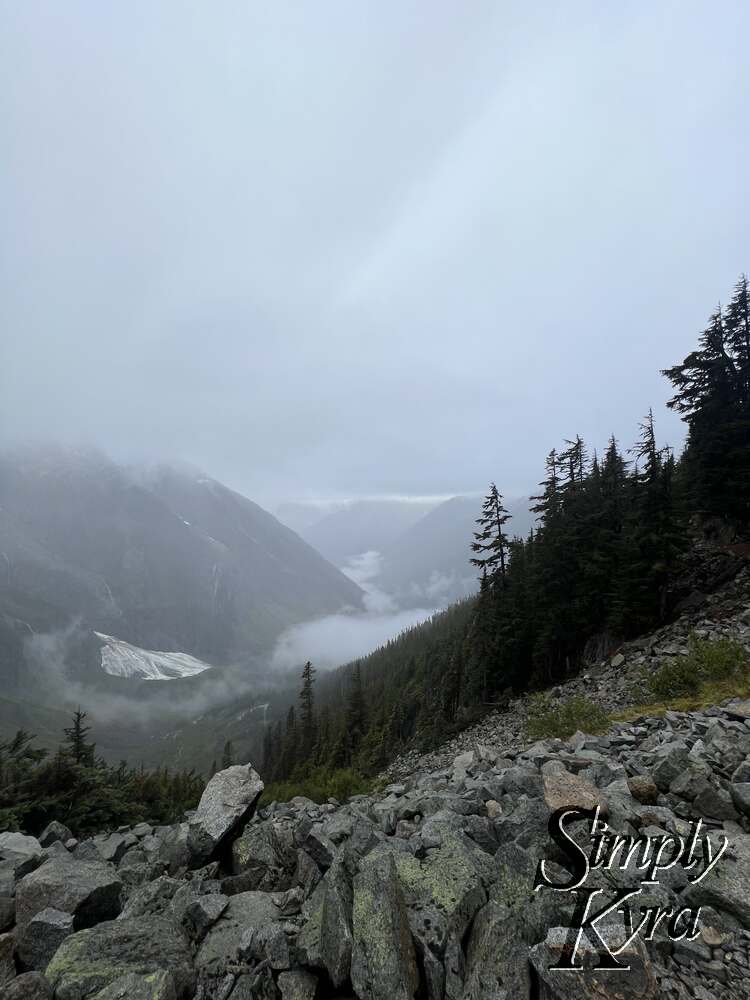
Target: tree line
593, 572
79, 789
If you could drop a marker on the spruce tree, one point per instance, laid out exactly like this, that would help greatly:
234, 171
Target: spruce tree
227, 757
78, 748
307, 712
490, 542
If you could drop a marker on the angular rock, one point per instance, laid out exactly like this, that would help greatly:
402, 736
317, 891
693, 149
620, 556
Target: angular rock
298, 984
713, 801
151, 986
726, 885
93, 959
326, 941
54, 831
593, 983
643, 789
740, 792
384, 965
205, 911
89, 891
18, 843
29, 986
7, 963
244, 912
42, 936
565, 790
227, 802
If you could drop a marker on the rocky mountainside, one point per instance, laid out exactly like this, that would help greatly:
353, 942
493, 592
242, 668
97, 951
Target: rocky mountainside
427, 888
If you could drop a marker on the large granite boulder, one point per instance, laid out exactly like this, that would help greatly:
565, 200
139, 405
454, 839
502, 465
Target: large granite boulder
245, 912
96, 958
226, 804
89, 891
40, 938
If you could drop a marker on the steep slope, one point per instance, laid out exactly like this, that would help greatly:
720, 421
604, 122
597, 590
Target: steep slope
429, 562
166, 560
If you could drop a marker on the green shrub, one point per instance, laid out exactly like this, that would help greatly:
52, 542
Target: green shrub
319, 784
719, 660
562, 719
675, 679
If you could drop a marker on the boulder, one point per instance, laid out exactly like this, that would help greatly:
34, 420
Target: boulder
298, 984
99, 957
244, 912
42, 936
29, 986
326, 940
384, 965
174, 850
740, 792
565, 790
53, 832
18, 843
643, 789
158, 985
205, 911
726, 885
593, 983
226, 804
7, 962
89, 891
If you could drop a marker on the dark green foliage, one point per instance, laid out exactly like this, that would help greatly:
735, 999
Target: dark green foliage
712, 392
83, 792
706, 661
227, 757
562, 719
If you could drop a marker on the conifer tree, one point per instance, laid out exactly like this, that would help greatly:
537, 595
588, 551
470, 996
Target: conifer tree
78, 747
307, 712
227, 757
490, 542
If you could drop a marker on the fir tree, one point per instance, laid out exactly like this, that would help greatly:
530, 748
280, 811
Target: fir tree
227, 757
78, 747
307, 712
490, 542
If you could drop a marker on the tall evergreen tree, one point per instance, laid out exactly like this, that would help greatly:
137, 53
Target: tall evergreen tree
227, 757
307, 712
490, 542
78, 748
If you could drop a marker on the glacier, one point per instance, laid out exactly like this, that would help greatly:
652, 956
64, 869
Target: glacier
122, 659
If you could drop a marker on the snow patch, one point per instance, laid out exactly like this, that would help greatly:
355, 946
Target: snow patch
121, 659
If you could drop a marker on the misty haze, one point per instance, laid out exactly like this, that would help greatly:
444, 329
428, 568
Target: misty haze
374, 484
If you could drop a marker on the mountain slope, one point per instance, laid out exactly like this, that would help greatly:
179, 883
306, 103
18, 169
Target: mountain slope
165, 560
430, 561
362, 526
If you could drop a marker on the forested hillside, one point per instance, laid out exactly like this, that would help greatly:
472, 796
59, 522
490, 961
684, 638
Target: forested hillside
597, 569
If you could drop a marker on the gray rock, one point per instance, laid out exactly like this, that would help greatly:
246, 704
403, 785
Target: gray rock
244, 912
384, 965
158, 985
54, 831
670, 760
263, 856
18, 843
593, 983
726, 885
89, 891
7, 962
227, 802
326, 941
740, 792
142, 830
41, 937
643, 789
113, 847
205, 911
297, 985
713, 801
29, 986
151, 899
7, 912
96, 958
174, 850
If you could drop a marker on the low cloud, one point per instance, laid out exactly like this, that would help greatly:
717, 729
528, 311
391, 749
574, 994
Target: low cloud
348, 635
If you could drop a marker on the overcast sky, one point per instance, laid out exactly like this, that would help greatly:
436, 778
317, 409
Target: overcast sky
351, 248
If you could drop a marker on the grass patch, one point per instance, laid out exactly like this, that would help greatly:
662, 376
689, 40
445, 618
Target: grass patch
721, 661
320, 784
548, 719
